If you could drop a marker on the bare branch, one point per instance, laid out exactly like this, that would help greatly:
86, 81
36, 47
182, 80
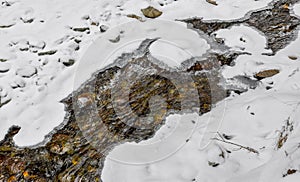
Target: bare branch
238, 145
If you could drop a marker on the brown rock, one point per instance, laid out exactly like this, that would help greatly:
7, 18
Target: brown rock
135, 17
212, 2
151, 12
293, 57
266, 74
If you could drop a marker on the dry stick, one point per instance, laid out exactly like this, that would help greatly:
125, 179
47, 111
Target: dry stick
241, 146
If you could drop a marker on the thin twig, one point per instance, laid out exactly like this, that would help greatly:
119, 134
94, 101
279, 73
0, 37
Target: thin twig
241, 146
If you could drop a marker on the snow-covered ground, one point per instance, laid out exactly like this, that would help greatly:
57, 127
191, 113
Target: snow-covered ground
254, 119
38, 44
50, 31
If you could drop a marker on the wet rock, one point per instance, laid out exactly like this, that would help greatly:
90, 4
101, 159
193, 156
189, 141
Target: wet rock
266, 73
103, 28
68, 63
27, 20
51, 52
290, 172
213, 164
5, 3
212, 2
151, 12
77, 41
293, 57
81, 29
6, 26
95, 23
227, 137
62, 144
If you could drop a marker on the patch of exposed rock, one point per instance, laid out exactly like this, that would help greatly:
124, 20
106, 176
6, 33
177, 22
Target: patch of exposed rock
276, 22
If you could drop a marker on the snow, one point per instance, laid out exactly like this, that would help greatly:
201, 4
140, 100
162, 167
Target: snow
167, 141
296, 9
254, 119
34, 85
179, 9
243, 38
50, 30
181, 43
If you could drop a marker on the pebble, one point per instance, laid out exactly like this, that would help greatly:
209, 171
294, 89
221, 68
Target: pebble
103, 28
151, 12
